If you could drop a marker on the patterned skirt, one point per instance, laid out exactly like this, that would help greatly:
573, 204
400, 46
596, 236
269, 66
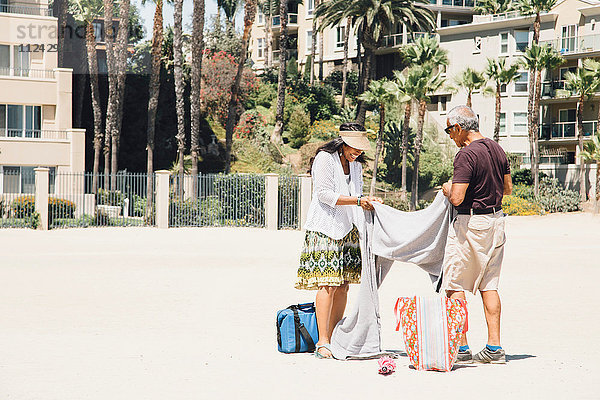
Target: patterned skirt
328, 262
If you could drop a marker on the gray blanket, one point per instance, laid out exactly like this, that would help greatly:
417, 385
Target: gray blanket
388, 234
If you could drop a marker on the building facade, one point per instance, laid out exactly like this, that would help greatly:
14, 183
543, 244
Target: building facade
35, 98
300, 27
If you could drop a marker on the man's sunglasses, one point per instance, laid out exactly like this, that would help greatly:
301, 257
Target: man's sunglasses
448, 129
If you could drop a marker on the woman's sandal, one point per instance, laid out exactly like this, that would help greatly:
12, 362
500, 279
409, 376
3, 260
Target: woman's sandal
326, 346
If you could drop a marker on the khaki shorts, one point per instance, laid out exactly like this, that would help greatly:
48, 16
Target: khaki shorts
474, 252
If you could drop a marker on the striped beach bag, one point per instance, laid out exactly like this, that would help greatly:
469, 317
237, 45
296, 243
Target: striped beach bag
432, 328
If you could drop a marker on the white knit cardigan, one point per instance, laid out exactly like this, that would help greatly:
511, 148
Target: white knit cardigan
329, 183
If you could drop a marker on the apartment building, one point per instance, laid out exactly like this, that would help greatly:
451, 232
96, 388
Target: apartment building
571, 28
35, 98
300, 26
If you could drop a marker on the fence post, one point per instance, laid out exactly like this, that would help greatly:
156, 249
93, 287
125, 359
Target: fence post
271, 201
162, 199
305, 197
42, 184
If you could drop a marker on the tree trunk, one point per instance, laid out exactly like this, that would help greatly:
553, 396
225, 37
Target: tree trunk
535, 127
281, 84
530, 107
469, 103
321, 55
582, 189
345, 63
63, 6
234, 102
112, 89
121, 64
405, 132
196, 74
269, 38
414, 196
313, 48
179, 88
368, 66
154, 91
497, 114
536, 28
378, 147
95, 94
597, 196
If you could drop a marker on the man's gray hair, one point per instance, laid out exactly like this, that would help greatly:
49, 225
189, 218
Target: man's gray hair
465, 117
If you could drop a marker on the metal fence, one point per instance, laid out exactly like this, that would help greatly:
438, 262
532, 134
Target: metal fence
85, 199
217, 200
17, 198
289, 202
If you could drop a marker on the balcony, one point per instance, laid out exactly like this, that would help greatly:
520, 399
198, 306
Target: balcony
574, 44
400, 39
26, 10
566, 130
498, 17
292, 20
27, 73
9, 134
453, 3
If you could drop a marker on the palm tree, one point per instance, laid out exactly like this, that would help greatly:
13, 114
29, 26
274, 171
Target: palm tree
345, 62
470, 80
425, 51
501, 74
197, 43
582, 83
591, 152
381, 93
313, 45
153, 93
536, 59
493, 6
424, 82
179, 85
112, 88
282, 78
267, 7
535, 7
375, 19
230, 8
593, 67
234, 102
85, 11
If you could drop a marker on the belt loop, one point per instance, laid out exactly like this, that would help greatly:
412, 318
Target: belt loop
471, 211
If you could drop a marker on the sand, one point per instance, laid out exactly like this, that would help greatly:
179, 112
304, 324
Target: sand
143, 313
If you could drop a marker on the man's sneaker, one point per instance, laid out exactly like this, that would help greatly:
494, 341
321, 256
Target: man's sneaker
464, 357
486, 356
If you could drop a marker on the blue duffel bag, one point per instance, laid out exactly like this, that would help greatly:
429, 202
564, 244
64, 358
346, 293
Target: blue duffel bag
297, 329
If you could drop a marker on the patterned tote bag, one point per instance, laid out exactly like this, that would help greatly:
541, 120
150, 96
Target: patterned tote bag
432, 328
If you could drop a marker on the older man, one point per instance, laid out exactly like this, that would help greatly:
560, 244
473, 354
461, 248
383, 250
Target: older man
475, 246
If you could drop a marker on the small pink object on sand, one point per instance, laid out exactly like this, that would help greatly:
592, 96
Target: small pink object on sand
386, 365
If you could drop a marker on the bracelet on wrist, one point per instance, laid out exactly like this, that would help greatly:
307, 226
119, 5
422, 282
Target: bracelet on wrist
358, 200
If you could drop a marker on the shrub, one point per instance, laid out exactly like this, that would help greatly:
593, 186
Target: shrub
184, 212
264, 95
513, 205
249, 122
60, 208
524, 177
555, 198
335, 78
298, 127
110, 197
323, 130
23, 206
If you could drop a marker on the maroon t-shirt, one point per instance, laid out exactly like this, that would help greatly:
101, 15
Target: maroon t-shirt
482, 164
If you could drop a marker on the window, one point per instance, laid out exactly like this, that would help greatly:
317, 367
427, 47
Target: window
21, 61
97, 31
309, 38
521, 40
477, 44
4, 59
20, 121
260, 44
563, 71
568, 38
503, 89
443, 104
504, 43
22, 179
339, 35
522, 82
567, 115
260, 17
520, 123
502, 124
310, 7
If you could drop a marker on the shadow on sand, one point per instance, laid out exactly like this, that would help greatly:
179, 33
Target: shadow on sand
517, 357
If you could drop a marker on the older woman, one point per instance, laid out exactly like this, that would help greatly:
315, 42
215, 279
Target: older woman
330, 257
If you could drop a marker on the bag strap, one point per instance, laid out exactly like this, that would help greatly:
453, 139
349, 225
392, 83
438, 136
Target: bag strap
302, 331
397, 312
